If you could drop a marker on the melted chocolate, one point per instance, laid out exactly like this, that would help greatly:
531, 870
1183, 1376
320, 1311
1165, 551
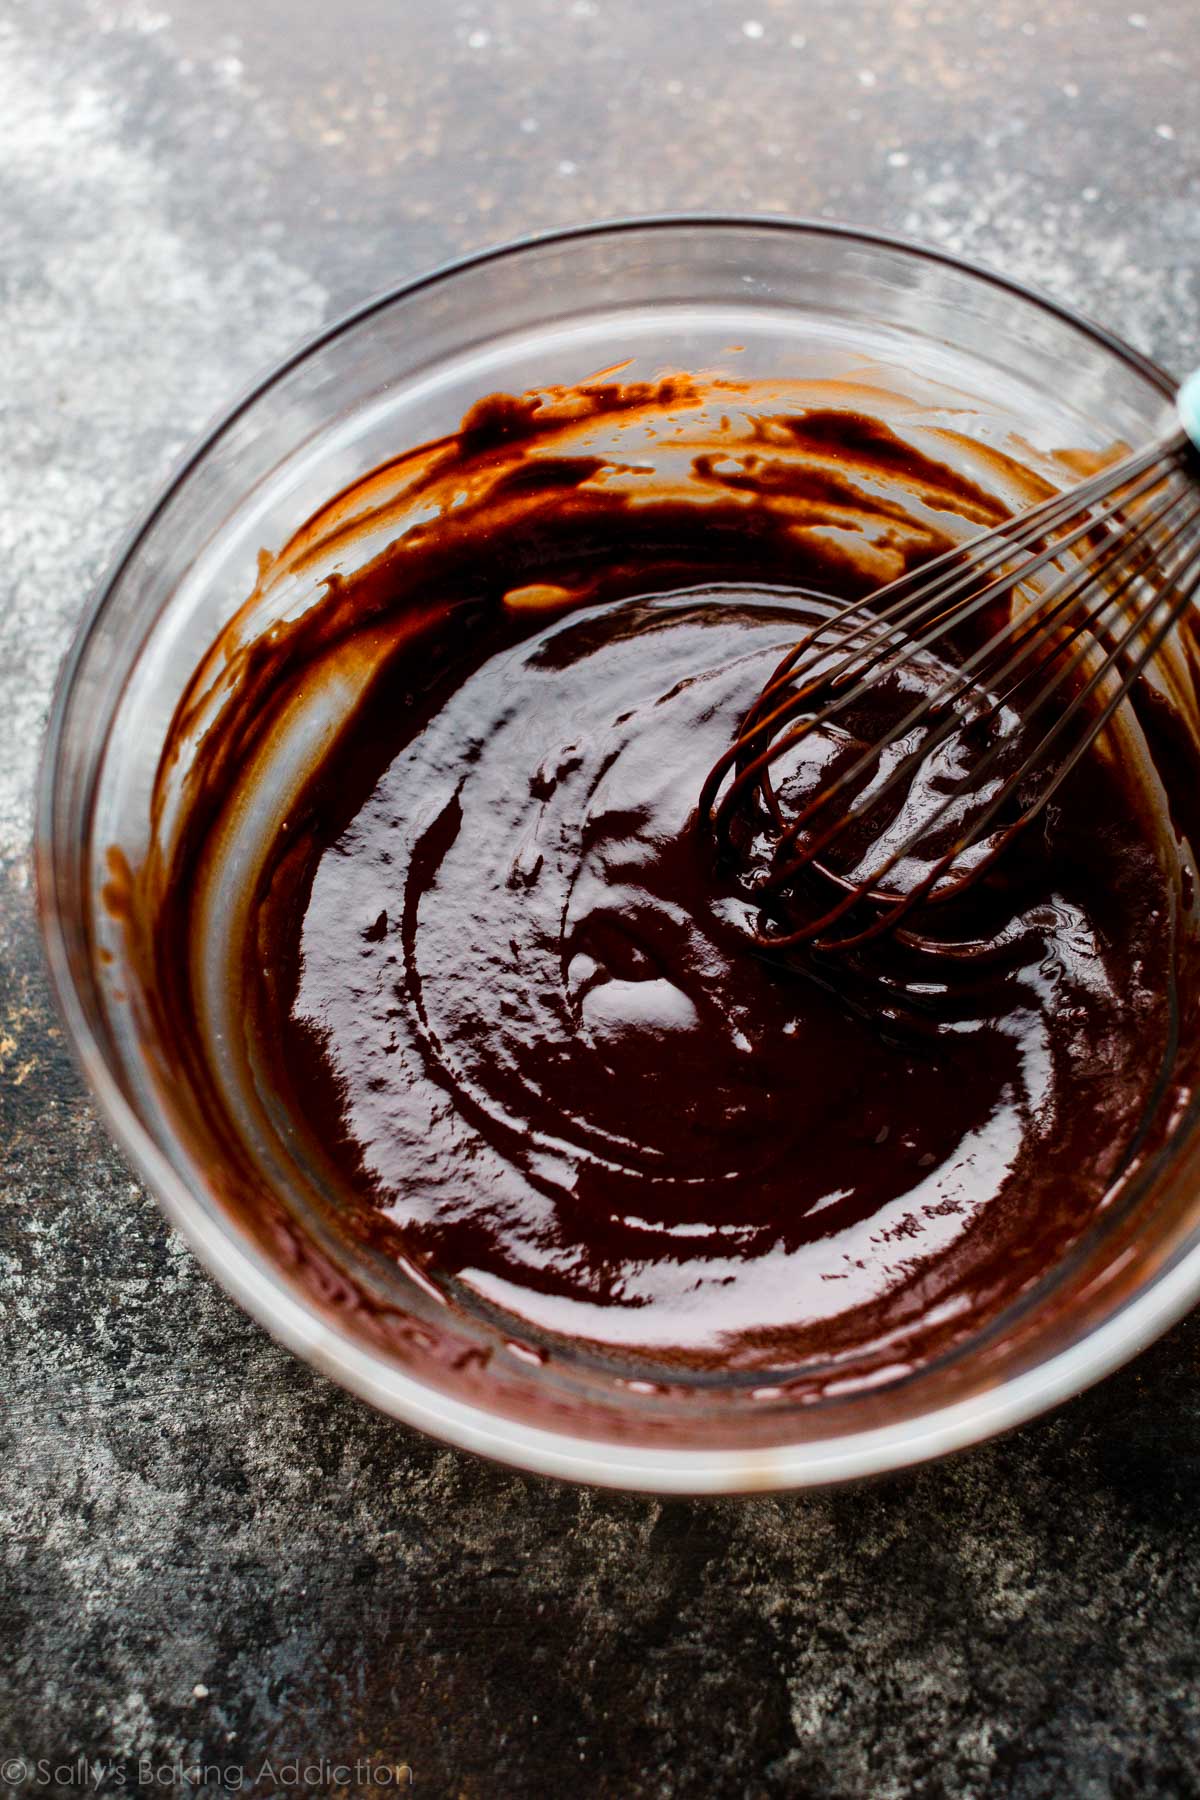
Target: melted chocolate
513, 1016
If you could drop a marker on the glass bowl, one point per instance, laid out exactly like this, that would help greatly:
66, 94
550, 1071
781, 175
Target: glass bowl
789, 300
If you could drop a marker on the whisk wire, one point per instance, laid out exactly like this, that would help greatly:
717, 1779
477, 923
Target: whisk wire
924, 892
1022, 629
945, 575
947, 580
1125, 526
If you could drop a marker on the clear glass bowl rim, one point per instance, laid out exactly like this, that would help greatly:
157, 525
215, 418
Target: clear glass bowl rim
251, 1280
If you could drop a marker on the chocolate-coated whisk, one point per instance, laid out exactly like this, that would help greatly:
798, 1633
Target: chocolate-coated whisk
1088, 584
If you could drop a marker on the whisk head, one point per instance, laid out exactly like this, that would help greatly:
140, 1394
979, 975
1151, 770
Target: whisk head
903, 743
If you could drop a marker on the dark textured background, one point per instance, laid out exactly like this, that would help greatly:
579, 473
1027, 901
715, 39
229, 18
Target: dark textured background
208, 1551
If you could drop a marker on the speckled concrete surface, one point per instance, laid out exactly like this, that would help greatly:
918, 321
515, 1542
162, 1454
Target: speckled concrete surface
209, 1554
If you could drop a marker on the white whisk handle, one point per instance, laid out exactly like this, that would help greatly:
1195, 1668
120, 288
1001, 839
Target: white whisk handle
1187, 403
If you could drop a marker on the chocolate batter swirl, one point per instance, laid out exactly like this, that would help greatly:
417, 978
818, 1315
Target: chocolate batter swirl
498, 993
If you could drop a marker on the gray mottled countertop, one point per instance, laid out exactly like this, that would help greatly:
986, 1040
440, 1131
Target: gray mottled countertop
211, 1555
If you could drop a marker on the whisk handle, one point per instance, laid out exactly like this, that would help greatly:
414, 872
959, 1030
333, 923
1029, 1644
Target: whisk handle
1187, 403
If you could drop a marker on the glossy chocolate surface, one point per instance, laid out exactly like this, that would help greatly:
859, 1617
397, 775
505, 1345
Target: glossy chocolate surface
503, 999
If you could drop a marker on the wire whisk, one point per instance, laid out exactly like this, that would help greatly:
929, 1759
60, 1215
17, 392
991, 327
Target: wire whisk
905, 741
